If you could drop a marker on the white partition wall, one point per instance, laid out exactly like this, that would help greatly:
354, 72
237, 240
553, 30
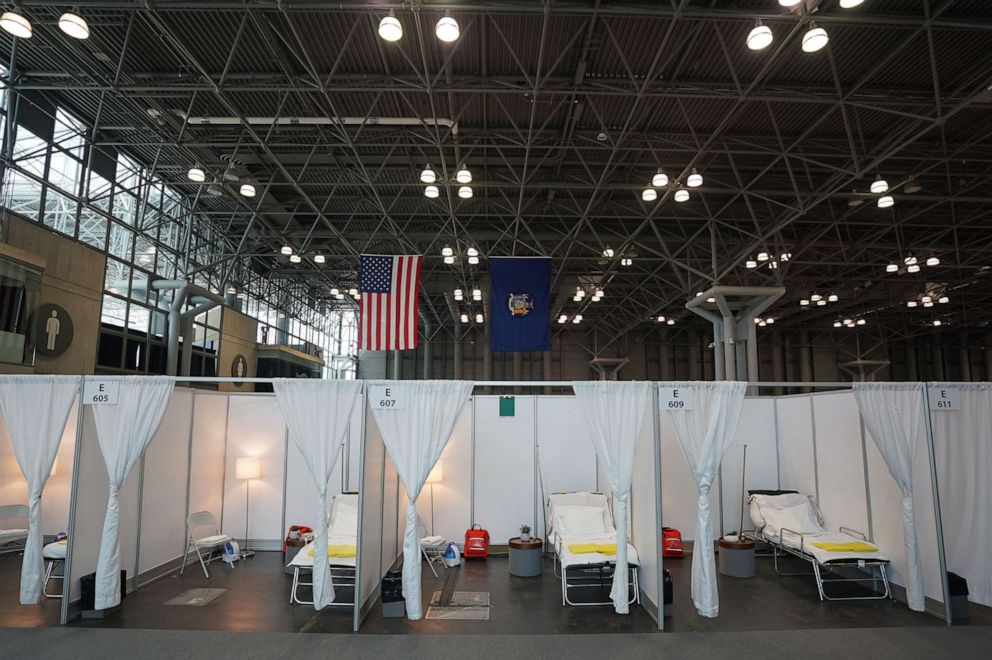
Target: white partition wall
505, 469
255, 428
840, 461
567, 459
371, 499
757, 431
796, 457
163, 475
208, 454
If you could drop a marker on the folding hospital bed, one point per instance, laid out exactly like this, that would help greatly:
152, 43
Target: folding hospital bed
342, 532
577, 523
12, 538
791, 523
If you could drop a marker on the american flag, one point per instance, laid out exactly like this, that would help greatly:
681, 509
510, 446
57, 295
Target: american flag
388, 319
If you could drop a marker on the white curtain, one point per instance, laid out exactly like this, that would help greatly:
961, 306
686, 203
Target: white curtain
893, 415
415, 434
704, 433
614, 412
123, 431
963, 444
317, 413
35, 409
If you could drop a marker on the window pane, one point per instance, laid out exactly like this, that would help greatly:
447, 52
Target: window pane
114, 311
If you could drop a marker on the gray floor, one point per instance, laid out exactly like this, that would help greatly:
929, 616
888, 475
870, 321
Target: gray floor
868, 643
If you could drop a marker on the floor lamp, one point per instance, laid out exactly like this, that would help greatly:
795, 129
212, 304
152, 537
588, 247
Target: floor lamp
436, 476
247, 468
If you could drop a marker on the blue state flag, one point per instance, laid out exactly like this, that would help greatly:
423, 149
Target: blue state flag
520, 306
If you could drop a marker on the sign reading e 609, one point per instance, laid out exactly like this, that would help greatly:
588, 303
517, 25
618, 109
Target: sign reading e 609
100, 392
675, 398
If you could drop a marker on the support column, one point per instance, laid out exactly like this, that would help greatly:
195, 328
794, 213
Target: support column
912, 371
695, 356
964, 357
427, 349
937, 363
805, 366
397, 365
778, 364
456, 370
664, 358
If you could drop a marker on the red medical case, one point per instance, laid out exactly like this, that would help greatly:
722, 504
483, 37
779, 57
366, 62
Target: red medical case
671, 542
476, 542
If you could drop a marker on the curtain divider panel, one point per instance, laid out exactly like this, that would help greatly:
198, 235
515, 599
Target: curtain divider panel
124, 430
705, 416
415, 419
317, 413
614, 412
893, 414
35, 409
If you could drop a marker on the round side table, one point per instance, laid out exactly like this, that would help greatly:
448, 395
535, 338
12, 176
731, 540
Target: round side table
526, 557
737, 559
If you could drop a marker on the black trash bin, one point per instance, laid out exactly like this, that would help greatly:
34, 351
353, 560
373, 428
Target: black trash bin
393, 605
669, 595
957, 591
87, 585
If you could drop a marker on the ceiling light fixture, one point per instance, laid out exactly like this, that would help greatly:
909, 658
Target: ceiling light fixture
464, 318
832, 297
432, 192
912, 186
472, 252
479, 318
815, 297
74, 25
472, 261
295, 258
804, 302
562, 319
196, 174
661, 319
608, 253
911, 303
789, 3
286, 250
447, 29
446, 251
814, 39
695, 179
750, 263
449, 260
943, 300
626, 261
892, 268
247, 190
16, 23
353, 292
936, 322
860, 322
760, 36
821, 302
915, 268
926, 299
670, 322
459, 295
933, 261
836, 324
319, 259
463, 175
649, 194
762, 256
390, 28
465, 192
885, 201
477, 294
659, 179
879, 185
910, 260
428, 175
681, 195
786, 256
849, 4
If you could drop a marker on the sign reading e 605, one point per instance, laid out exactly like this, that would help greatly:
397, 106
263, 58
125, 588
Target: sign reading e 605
100, 392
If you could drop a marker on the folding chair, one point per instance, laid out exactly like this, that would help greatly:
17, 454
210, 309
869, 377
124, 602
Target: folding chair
210, 542
54, 555
12, 539
431, 547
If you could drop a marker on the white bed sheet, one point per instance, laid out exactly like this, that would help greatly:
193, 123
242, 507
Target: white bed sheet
304, 559
826, 556
12, 535
569, 558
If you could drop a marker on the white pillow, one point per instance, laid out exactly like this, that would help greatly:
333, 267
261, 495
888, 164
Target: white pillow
796, 518
345, 520
580, 520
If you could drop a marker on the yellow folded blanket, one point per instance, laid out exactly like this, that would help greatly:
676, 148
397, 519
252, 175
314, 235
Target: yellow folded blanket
338, 551
587, 548
853, 546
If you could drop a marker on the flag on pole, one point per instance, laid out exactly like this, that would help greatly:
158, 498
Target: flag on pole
388, 306
520, 310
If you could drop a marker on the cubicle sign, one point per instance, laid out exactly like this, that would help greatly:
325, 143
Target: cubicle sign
100, 392
945, 398
675, 398
386, 397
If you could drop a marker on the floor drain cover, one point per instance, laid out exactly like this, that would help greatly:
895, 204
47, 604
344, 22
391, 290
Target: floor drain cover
464, 599
456, 613
196, 597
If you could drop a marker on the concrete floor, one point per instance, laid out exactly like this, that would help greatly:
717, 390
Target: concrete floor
258, 600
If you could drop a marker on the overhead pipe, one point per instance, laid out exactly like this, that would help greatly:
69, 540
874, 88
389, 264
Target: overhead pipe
202, 306
321, 121
180, 288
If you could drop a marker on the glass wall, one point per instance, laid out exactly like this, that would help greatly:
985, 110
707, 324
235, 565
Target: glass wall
151, 230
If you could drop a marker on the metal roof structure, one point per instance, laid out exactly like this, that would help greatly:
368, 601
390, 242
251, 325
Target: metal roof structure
563, 111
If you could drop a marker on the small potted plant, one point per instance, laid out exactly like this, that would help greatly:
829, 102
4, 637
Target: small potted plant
525, 532
732, 537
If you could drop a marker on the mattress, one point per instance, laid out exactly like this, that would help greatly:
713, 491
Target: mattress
12, 535
569, 558
826, 556
304, 559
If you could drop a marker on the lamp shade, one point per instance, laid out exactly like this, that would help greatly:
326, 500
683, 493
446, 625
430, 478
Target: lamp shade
436, 475
248, 467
